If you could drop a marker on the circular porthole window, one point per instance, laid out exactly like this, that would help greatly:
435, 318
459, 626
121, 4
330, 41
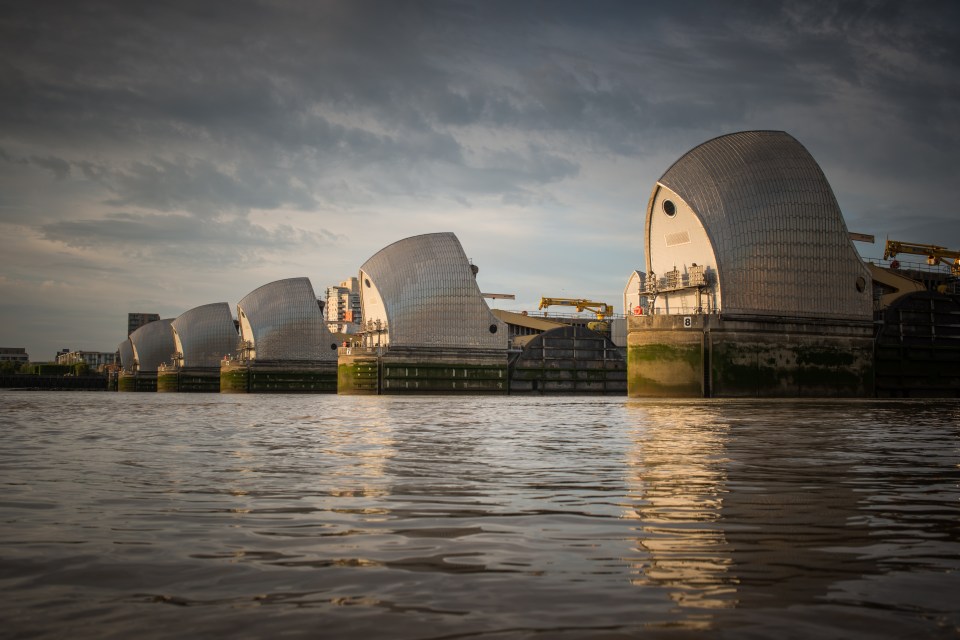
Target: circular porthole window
861, 283
366, 281
493, 328
333, 346
669, 208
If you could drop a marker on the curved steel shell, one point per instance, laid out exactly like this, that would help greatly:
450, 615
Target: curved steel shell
203, 335
426, 291
781, 245
126, 355
153, 345
283, 322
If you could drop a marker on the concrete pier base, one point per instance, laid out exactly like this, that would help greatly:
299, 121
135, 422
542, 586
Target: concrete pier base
279, 377
137, 382
714, 356
189, 381
409, 371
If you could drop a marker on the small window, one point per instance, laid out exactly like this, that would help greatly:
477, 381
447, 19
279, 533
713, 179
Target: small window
366, 281
669, 208
493, 328
333, 346
861, 283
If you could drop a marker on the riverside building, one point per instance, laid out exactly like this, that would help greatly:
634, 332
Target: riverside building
135, 320
95, 360
342, 309
14, 354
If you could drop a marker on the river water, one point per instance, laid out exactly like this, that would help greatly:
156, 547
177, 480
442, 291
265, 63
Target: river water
174, 515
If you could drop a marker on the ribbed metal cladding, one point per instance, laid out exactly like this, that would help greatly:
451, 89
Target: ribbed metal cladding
153, 344
431, 296
126, 355
781, 244
286, 322
205, 334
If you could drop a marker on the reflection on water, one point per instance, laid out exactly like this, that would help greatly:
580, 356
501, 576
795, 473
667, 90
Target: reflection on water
737, 512
677, 483
167, 515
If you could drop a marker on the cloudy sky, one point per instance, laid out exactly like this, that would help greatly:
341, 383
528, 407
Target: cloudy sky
156, 156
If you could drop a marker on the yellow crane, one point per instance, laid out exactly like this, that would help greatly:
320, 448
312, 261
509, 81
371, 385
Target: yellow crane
935, 254
602, 309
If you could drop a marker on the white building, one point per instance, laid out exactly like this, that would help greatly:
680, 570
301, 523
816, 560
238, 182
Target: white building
93, 359
342, 308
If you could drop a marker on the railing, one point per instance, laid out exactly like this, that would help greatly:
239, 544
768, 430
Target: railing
906, 267
361, 351
910, 265
549, 315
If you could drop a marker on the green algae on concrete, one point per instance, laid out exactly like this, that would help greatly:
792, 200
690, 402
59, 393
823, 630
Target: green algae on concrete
358, 376
790, 366
168, 382
665, 370
411, 371
234, 379
279, 378
712, 356
138, 382
428, 377
189, 381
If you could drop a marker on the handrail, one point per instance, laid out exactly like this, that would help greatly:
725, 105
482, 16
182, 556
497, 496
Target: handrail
360, 351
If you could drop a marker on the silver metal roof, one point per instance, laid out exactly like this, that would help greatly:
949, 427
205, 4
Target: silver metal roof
425, 289
779, 238
126, 354
203, 335
153, 345
283, 321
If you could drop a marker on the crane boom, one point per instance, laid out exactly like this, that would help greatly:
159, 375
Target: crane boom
602, 309
935, 254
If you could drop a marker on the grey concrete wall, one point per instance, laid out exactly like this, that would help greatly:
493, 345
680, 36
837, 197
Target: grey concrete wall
710, 356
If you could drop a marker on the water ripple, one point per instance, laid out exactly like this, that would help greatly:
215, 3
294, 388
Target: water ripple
480, 518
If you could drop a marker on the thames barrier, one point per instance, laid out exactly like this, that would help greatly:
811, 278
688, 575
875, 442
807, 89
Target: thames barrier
751, 287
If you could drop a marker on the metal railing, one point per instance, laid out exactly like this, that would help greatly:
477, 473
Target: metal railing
907, 267
361, 351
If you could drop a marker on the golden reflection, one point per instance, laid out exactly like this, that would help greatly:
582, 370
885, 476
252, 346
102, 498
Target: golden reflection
352, 449
746, 504
677, 480
367, 441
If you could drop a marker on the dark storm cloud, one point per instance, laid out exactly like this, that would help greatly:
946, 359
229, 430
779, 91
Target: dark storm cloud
171, 236
231, 132
197, 186
257, 77
58, 167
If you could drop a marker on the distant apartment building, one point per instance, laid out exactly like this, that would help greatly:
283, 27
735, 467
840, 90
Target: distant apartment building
93, 359
14, 354
342, 308
137, 320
